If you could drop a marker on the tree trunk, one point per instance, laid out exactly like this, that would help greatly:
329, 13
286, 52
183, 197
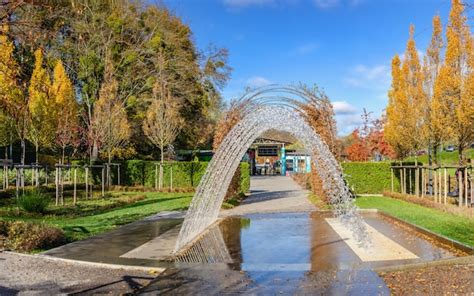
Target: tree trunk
36, 153
62, 155
94, 152
22, 160
160, 180
461, 154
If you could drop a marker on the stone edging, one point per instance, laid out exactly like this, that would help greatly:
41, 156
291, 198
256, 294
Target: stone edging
466, 260
156, 270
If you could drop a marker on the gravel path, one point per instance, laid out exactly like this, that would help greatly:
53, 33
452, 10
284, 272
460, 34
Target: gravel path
33, 275
273, 194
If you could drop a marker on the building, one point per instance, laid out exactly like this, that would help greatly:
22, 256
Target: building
272, 149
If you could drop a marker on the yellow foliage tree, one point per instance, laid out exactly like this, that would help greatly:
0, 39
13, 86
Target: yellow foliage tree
111, 129
405, 123
13, 102
66, 109
453, 100
162, 122
41, 129
431, 67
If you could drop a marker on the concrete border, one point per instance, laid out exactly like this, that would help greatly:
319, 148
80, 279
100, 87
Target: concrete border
465, 260
156, 270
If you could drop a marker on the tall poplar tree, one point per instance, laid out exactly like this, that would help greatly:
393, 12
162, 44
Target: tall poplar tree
453, 100
66, 109
41, 129
431, 67
12, 100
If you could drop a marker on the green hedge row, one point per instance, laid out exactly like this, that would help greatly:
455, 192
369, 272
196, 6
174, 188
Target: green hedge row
371, 177
244, 177
185, 174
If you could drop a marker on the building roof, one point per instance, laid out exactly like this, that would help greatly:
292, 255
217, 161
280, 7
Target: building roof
276, 136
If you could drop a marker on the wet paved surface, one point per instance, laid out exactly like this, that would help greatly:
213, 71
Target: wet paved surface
273, 194
286, 253
110, 246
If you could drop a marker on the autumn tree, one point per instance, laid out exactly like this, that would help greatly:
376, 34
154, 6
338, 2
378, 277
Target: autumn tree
162, 122
41, 129
110, 126
7, 131
431, 67
66, 109
453, 100
12, 99
405, 125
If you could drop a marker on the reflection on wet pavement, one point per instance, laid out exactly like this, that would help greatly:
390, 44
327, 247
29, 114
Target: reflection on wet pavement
288, 253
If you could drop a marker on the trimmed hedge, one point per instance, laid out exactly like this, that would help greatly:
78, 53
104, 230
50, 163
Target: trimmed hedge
244, 177
371, 177
142, 173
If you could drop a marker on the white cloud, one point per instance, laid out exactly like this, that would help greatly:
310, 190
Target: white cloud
258, 81
305, 48
346, 123
326, 4
246, 3
369, 77
343, 108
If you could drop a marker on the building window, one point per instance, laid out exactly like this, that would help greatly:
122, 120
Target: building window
268, 151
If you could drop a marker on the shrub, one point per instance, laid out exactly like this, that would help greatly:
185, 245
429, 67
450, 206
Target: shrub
244, 177
23, 236
34, 202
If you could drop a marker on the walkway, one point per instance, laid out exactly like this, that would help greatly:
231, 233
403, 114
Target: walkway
273, 194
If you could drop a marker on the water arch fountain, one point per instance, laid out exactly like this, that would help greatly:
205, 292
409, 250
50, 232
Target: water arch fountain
207, 201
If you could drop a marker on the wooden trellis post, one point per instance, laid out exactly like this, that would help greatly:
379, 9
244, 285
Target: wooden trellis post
435, 185
391, 178
417, 181
87, 181
445, 185
103, 181
466, 190
422, 182
460, 189
75, 186
156, 176
409, 181
56, 183
171, 177
118, 174
17, 183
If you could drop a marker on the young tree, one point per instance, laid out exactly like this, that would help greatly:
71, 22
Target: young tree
431, 66
111, 129
396, 129
7, 131
405, 123
41, 129
162, 122
12, 99
66, 109
453, 100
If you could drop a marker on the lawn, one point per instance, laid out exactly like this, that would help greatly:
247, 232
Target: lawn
444, 157
100, 215
452, 226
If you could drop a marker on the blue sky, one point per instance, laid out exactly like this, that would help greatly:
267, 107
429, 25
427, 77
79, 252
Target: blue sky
344, 46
